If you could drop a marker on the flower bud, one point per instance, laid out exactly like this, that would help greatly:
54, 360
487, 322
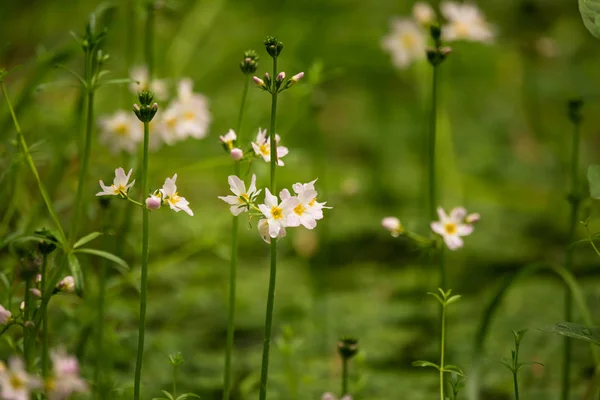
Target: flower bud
250, 62
347, 347
273, 46
259, 82
22, 306
46, 246
67, 285
298, 76
35, 292
280, 76
393, 225
147, 108
472, 218
237, 154
5, 316
29, 324
153, 202
38, 278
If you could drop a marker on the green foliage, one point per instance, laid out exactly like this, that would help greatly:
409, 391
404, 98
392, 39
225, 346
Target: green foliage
590, 13
594, 180
575, 331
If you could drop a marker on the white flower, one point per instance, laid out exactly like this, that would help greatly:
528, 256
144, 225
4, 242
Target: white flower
140, 74
15, 382
263, 230
66, 379
407, 42
452, 227
331, 396
67, 284
465, 22
262, 147
121, 132
308, 211
277, 214
169, 194
393, 225
228, 139
119, 186
187, 116
5, 315
423, 13
239, 202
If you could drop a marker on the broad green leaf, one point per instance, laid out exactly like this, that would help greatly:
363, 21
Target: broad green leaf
425, 364
76, 273
86, 238
109, 256
590, 13
594, 180
575, 331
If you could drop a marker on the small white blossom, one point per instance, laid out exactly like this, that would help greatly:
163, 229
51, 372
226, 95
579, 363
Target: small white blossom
262, 147
331, 396
472, 218
423, 13
187, 116
465, 22
277, 214
5, 315
393, 225
406, 43
308, 211
156, 86
15, 382
228, 139
239, 202
67, 284
120, 184
169, 194
66, 379
452, 227
121, 132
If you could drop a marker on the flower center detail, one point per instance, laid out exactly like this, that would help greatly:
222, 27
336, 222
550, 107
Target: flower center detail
462, 29
450, 228
122, 130
299, 209
264, 149
16, 382
312, 202
408, 40
189, 115
276, 212
174, 199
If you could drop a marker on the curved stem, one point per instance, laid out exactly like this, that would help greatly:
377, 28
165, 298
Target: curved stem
144, 283
264, 373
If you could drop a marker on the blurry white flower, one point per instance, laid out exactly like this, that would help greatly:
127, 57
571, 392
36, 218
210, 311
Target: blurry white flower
452, 227
15, 382
119, 186
465, 22
237, 154
423, 13
331, 396
121, 132
547, 47
187, 115
5, 315
393, 225
262, 147
67, 284
66, 379
140, 74
239, 202
276, 213
406, 43
169, 194
228, 139
153, 202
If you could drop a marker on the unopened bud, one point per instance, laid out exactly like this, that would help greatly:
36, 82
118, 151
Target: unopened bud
29, 324
273, 46
153, 202
347, 347
472, 218
5, 316
393, 225
35, 292
237, 154
67, 284
38, 278
259, 82
250, 62
280, 76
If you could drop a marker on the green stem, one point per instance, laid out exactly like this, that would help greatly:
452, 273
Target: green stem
31, 164
234, 264
100, 357
149, 39
442, 350
264, 373
144, 283
44, 311
568, 311
344, 376
175, 381
516, 385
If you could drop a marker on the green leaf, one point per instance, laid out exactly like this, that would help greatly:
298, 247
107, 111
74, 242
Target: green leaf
594, 180
86, 238
437, 297
76, 273
575, 331
453, 368
425, 364
453, 299
109, 256
4, 280
188, 396
590, 13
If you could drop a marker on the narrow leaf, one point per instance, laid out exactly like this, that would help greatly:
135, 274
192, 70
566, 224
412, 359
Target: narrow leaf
594, 178
86, 238
575, 331
76, 273
188, 396
123, 267
425, 364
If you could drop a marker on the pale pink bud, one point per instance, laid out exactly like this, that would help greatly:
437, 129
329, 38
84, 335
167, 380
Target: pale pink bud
258, 81
298, 76
472, 218
153, 202
22, 306
392, 224
136, 107
281, 76
38, 278
267, 76
35, 292
5, 316
237, 154
67, 284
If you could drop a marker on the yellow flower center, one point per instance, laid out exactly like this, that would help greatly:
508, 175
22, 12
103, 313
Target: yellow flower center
120, 189
276, 213
189, 115
16, 382
450, 228
462, 29
174, 199
299, 209
244, 198
312, 202
408, 40
264, 149
122, 129
49, 385
171, 122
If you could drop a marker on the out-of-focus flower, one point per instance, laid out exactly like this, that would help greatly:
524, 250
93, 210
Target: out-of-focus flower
156, 86
15, 382
472, 218
452, 227
120, 185
406, 42
120, 132
262, 147
547, 47
277, 213
239, 202
5, 315
465, 22
66, 379
67, 284
393, 225
169, 194
331, 396
423, 13
188, 115
153, 202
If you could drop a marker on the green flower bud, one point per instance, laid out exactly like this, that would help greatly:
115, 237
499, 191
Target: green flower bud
46, 246
273, 46
347, 347
250, 62
147, 109
575, 110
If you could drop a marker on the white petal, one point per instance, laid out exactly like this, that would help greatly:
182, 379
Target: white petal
274, 228
442, 214
265, 210
236, 185
284, 194
270, 200
438, 228
464, 230
230, 199
453, 242
252, 187
458, 214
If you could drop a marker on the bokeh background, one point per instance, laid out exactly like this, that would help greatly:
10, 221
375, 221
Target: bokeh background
360, 126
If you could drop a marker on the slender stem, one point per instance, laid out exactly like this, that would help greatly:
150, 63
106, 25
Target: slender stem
516, 385
344, 376
44, 311
149, 39
29, 343
144, 283
234, 263
264, 373
100, 357
32, 166
568, 311
442, 350
175, 381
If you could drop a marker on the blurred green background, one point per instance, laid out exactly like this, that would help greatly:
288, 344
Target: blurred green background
504, 149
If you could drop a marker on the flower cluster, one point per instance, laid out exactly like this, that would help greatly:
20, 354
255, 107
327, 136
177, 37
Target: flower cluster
186, 116
15, 382
261, 146
167, 195
279, 85
276, 214
407, 41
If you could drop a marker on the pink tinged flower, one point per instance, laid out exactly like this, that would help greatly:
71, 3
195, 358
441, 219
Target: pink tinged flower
393, 225
239, 202
472, 218
280, 76
307, 211
66, 379
314, 207
465, 22
276, 213
35, 292
153, 202
262, 147
15, 382
237, 154
5, 315
176, 202
120, 184
331, 396
67, 284
259, 82
452, 227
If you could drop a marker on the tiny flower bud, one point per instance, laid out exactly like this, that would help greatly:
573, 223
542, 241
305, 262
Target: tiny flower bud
29, 324
153, 202
250, 62
347, 347
67, 285
38, 278
46, 246
472, 218
147, 108
259, 82
393, 225
273, 46
298, 76
237, 154
5, 316
22, 306
280, 76
35, 292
